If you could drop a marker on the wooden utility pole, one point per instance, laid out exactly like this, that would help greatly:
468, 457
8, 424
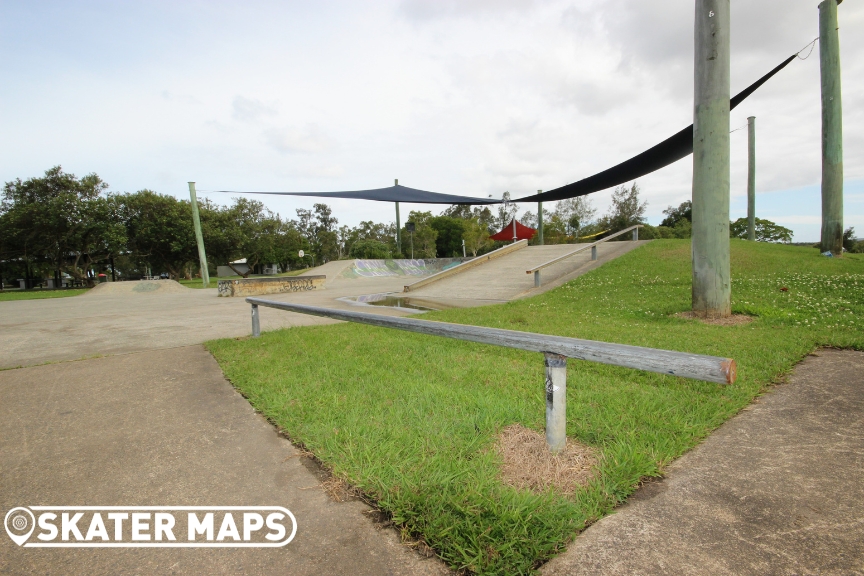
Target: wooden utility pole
751, 178
540, 221
205, 274
398, 225
832, 129
710, 245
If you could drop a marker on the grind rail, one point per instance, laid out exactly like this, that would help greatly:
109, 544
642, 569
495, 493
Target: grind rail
556, 350
592, 246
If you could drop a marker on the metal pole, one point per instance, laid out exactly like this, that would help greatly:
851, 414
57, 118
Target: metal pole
536, 278
751, 178
398, 225
412, 245
635, 234
256, 322
593, 252
540, 221
464, 254
202, 256
832, 129
514, 227
556, 402
712, 295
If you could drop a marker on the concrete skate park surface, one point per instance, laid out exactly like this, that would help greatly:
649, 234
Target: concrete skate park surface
125, 317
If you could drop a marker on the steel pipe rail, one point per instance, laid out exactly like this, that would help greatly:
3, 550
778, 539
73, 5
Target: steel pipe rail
556, 350
696, 366
582, 248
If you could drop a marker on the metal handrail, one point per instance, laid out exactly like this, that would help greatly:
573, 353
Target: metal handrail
555, 348
592, 245
503, 251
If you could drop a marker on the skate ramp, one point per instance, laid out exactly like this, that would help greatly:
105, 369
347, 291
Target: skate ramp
136, 287
504, 278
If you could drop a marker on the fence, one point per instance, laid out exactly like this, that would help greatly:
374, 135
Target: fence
556, 350
592, 246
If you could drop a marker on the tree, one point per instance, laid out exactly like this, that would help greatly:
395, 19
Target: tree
448, 242
159, 231
344, 241
257, 230
326, 240
370, 249
221, 232
319, 227
626, 209
575, 214
288, 244
61, 223
850, 243
506, 212
766, 231
480, 213
674, 216
476, 236
424, 234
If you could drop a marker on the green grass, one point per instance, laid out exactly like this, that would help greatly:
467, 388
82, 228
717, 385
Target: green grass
410, 419
196, 283
39, 294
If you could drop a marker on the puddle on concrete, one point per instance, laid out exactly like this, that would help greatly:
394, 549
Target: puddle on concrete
389, 301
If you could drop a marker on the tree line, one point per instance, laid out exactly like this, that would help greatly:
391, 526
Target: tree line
59, 224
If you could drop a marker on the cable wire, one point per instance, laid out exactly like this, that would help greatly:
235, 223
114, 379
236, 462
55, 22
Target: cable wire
811, 45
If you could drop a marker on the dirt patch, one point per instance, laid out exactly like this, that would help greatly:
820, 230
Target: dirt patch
528, 464
733, 320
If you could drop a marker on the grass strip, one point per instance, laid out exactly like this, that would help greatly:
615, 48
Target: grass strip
40, 294
411, 419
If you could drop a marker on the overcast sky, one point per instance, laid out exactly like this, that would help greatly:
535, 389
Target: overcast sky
470, 97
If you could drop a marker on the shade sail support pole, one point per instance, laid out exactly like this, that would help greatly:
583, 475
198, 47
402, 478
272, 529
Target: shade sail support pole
199, 237
398, 226
751, 178
540, 221
832, 130
711, 291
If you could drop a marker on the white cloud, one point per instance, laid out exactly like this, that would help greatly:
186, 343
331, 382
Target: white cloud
251, 110
469, 97
308, 139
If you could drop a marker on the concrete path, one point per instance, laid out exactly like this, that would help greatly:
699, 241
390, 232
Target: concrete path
504, 278
165, 428
779, 489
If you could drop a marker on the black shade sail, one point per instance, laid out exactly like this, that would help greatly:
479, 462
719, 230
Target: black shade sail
665, 153
397, 193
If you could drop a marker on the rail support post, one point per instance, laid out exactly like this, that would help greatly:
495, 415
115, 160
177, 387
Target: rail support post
536, 278
593, 252
556, 402
256, 322
635, 234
